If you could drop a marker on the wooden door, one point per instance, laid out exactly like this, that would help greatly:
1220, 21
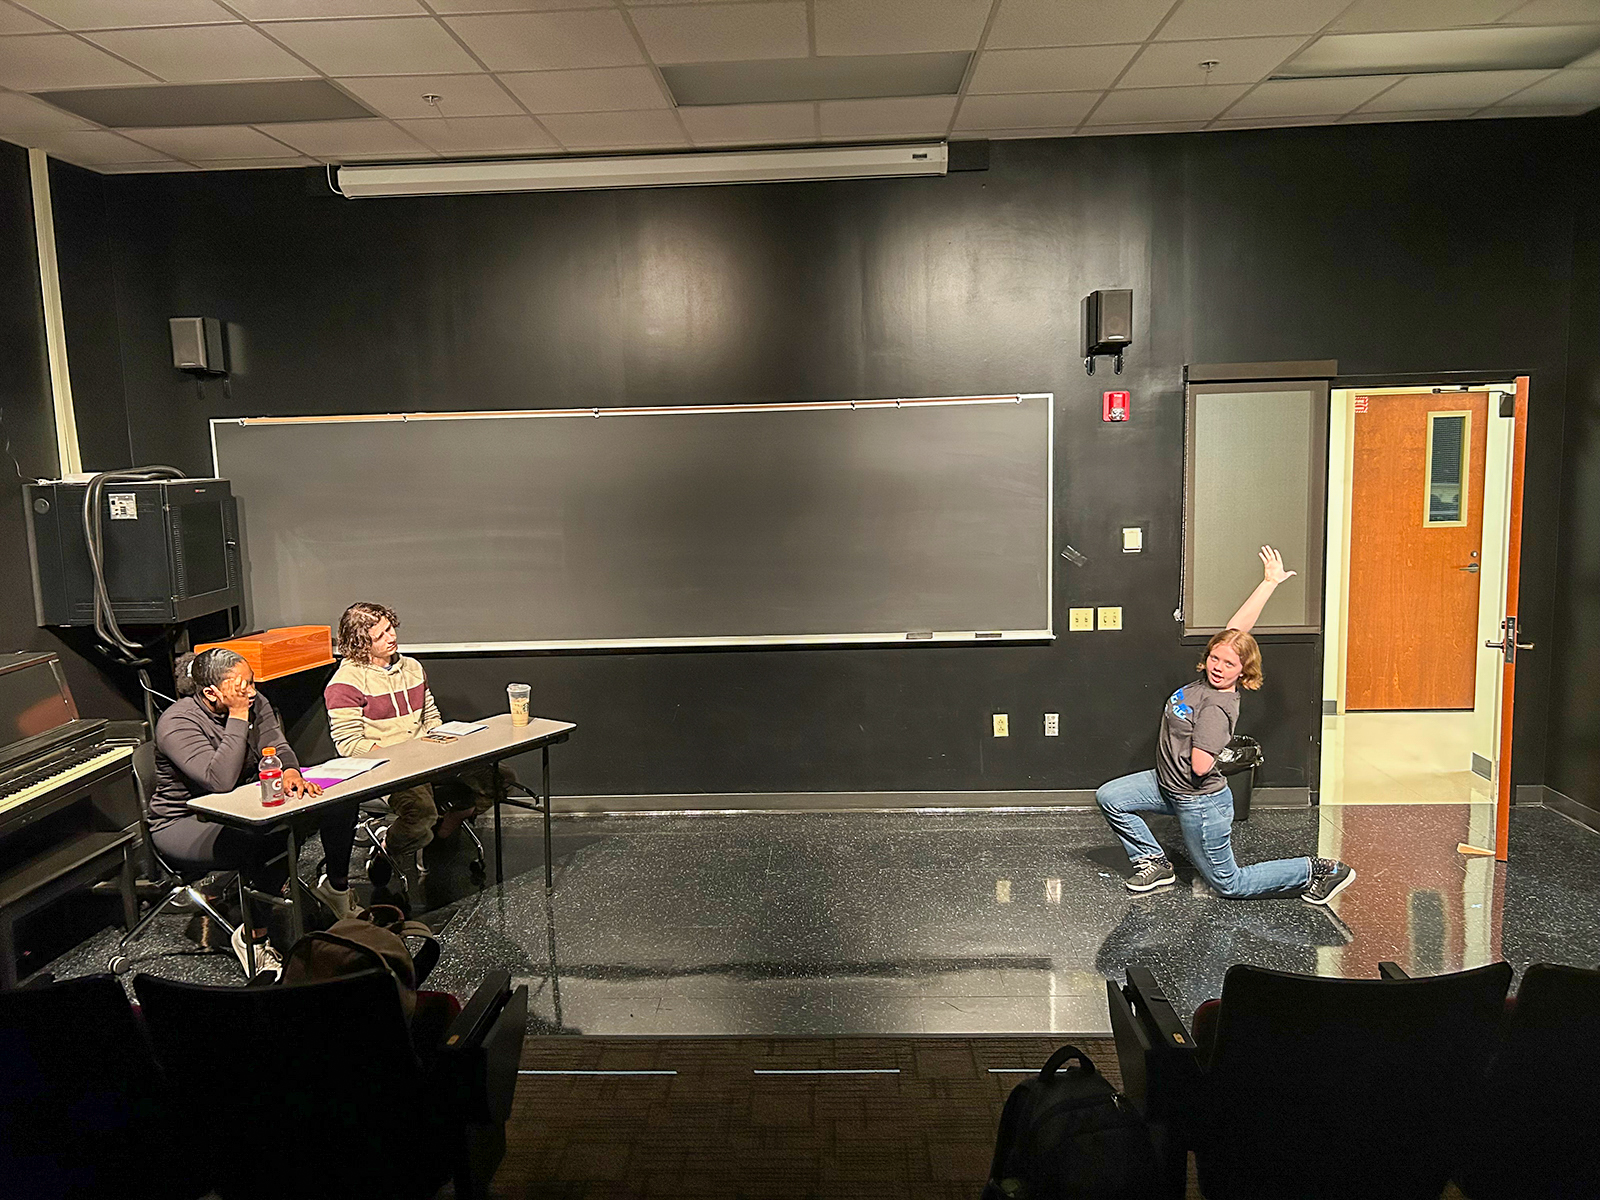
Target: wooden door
1416, 530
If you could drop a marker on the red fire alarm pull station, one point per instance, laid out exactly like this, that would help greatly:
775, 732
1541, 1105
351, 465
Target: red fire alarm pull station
1116, 407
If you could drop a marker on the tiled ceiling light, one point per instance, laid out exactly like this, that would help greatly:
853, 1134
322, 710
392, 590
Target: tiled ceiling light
162, 106
1506, 48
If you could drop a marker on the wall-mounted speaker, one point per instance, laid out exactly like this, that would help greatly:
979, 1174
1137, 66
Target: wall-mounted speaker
198, 345
1107, 325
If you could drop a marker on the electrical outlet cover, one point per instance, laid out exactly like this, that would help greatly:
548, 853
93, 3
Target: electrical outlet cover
1111, 618
1052, 724
1002, 725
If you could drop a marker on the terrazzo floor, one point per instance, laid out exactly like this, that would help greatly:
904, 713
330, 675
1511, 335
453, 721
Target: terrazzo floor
829, 924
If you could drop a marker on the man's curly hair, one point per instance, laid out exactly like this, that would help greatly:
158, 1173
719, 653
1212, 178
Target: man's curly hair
355, 628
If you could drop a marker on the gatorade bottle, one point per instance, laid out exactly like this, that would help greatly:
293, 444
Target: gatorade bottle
271, 777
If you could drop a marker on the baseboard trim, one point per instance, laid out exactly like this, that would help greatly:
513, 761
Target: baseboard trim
731, 802
1574, 810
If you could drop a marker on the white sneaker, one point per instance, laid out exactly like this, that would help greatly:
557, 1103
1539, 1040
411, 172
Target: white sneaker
341, 902
267, 961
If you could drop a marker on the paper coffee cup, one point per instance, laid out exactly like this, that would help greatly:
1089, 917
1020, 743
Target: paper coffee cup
517, 694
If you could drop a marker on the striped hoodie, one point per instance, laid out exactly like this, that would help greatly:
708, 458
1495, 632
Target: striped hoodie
370, 706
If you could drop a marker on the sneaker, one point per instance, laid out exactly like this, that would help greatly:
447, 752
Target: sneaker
341, 902
1151, 873
1329, 877
266, 958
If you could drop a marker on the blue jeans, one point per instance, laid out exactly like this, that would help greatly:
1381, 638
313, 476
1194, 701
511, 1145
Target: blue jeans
1207, 825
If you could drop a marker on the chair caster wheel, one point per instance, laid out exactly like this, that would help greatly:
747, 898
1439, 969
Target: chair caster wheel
119, 964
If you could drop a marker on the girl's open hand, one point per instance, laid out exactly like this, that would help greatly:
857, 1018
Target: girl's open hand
1272, 561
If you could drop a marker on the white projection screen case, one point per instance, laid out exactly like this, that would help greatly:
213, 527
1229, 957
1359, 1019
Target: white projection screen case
875, 521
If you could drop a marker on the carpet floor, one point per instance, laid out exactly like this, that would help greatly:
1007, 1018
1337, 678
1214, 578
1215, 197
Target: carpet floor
744, 1118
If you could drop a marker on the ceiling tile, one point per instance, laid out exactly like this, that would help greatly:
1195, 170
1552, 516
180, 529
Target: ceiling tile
550, 41
1554, 12
258, 164
1137, 106
1023, 112
724, 32
899, 26
1310, 97
1144, 127
481, 135
1249, 18
1239, 60
603, 89
210, 141
380, 46
1463, 89
1437, 114
1376, 16
616, 131
59, 60
908, 116
1572, 86
1532, 110
1065, 68
19, 113
15, 21
1269, 122
97, 146
350, 139
288, 10
479, 6
459, 95
142, 168
204, 53
1074, 22
1000, 135
123, 14
750, 124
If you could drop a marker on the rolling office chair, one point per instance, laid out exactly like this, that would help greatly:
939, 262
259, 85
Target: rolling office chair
180, 885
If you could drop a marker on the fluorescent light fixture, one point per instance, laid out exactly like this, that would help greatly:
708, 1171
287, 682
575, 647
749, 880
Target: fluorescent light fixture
1502, 48
146, 106
643, 170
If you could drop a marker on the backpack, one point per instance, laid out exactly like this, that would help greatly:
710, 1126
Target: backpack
376, 938
1070, 1134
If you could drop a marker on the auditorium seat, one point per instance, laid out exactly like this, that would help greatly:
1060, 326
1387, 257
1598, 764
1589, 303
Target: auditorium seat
1313, 1087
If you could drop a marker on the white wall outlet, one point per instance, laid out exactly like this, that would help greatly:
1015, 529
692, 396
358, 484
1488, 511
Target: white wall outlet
1111, 618
1002, 725
1079, 619
1052, 724
1132, 539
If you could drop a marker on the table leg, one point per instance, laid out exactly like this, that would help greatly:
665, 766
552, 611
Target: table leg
130, 899
499, 854
549, 878
297, 916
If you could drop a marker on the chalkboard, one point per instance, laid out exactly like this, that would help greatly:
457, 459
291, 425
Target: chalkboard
866, 521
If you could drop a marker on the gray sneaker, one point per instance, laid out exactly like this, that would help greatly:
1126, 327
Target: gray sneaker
1329, 877
1149, 874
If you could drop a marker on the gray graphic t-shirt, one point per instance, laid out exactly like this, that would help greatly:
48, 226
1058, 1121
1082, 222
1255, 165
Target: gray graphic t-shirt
1197, 715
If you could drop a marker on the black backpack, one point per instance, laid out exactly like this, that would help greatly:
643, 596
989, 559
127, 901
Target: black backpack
1070, 1134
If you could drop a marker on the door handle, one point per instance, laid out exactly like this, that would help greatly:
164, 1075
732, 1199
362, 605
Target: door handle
1472, 569
1508, 644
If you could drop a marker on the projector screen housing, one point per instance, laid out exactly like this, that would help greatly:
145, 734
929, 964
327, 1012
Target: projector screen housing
643, 170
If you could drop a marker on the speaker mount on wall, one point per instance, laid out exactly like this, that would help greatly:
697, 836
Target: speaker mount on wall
1107, 326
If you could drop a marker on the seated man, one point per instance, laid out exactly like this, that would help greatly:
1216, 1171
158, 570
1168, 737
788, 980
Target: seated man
379, 697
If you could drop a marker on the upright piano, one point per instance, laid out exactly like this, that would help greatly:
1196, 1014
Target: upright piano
69, 805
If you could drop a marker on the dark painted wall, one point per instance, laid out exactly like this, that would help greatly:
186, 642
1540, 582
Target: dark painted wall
27, 435
1574, 762
1380, 246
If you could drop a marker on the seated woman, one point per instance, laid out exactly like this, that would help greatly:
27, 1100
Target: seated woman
211, 741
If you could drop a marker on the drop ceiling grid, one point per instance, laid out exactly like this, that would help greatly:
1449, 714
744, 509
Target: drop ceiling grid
362, 43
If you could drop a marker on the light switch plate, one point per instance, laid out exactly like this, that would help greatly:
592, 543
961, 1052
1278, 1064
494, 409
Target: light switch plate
1111, 618
1079, 619
1132, 539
